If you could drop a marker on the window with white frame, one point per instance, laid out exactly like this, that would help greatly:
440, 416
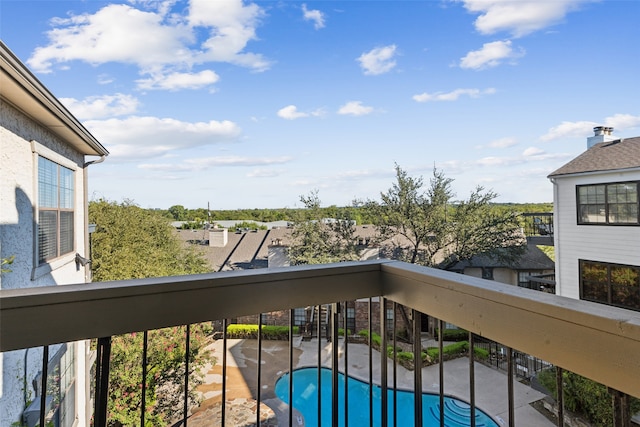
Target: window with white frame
615, 203
55, 210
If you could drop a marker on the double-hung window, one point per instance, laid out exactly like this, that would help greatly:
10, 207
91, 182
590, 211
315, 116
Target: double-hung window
615, 203
55, 210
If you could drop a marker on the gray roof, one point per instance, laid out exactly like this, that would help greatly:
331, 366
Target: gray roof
605, 156
532, 259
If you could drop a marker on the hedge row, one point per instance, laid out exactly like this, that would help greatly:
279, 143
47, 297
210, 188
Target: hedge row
453, 335
268, 332
431, 355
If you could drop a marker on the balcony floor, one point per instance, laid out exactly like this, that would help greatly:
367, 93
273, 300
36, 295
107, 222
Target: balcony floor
491, 384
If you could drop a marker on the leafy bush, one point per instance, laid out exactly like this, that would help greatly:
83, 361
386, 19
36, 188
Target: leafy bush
453, 335
268, 332
457, 349
376, 340
431, 355
584, 396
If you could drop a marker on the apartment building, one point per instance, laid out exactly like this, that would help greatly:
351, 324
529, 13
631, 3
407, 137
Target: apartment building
44, 154
597, 222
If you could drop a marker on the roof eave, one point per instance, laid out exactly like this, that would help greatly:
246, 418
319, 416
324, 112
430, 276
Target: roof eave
588, 173
20, 88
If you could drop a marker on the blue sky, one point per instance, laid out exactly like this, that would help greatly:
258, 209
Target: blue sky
252, 104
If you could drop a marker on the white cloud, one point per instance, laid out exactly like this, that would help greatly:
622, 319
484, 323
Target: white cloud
584, 129
622, 121
533, 151
232, 24
490, 55
569, 130
519, 17
145, 137
378, 61
313, 15
265, 173
355, 108
453, 95
155, 40
96, 107
176, 81
290, 112
192, 165
503, 143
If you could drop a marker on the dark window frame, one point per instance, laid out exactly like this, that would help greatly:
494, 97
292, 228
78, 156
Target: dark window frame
56, 206
606, 204
590, 286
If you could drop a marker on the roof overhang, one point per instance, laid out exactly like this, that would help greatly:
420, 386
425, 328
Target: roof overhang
554, 176
20, 88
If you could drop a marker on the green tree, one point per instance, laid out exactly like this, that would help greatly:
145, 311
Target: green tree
437, 231
584, 396
319, 240
129, 243
178, 212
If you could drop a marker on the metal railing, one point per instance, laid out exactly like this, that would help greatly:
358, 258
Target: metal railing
599, 342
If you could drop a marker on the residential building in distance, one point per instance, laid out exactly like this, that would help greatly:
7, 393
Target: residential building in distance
44, 229
597, 222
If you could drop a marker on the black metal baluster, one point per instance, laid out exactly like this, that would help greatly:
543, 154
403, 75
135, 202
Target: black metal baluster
319, 334
417, 370
291, 314
346, 368
185, 410
102, 382
472, 381
334, 364
259, 369
560, 398
223, 411
45, 374
384, 401
395, 366
370, 362
143, 403
441, 370
512, 416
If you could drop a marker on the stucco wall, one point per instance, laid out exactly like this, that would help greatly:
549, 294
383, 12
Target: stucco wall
18, 194
606, 243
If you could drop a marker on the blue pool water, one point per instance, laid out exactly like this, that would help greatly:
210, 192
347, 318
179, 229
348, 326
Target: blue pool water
305, 400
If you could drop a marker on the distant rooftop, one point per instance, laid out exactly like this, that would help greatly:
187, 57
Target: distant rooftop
605, 156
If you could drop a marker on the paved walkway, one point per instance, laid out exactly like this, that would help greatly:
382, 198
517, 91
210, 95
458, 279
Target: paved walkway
491, 384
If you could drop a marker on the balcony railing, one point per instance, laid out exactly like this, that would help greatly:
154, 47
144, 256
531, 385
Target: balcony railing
599, 342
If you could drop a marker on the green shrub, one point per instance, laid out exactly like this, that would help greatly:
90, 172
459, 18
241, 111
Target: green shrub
375, 338
584, 396
341, 332
268, 332
453, 335
480, 353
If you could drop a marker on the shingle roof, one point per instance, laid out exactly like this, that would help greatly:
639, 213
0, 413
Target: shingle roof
605, 156
532, 259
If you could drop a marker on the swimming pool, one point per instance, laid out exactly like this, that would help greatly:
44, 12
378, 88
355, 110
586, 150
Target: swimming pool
305, 400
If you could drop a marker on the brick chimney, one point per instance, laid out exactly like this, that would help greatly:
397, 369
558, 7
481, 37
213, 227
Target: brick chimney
601, 134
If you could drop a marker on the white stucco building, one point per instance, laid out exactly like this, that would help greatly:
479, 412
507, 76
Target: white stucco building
597, 223
43, 225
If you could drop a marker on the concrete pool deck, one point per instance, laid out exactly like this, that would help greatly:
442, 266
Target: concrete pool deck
491, 384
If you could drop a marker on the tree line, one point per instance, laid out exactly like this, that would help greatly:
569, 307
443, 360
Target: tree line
359, 213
